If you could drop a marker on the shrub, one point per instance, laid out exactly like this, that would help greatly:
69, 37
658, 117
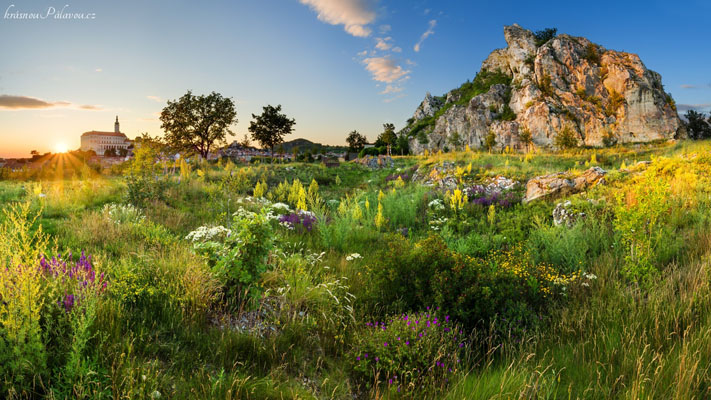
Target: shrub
408, 353
241, 258
565, 139
544, 36
591, 54
546, 85
609, 138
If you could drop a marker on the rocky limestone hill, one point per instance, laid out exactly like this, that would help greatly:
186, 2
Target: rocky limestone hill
565, 84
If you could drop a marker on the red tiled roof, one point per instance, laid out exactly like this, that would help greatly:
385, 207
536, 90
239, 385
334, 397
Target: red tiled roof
97, 133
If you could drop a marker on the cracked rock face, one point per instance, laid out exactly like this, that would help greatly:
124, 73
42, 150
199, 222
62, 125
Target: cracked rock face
567, 82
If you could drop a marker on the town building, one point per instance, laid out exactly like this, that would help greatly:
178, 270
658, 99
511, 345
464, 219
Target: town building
99, 141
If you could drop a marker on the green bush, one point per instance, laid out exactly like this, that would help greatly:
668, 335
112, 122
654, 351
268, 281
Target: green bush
408, 353
565, 138
238, 257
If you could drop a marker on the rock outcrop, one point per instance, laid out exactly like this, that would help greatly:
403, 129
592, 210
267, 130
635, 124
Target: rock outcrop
602, 96
560, 184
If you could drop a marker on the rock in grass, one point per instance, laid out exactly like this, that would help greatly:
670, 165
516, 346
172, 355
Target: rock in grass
561, 184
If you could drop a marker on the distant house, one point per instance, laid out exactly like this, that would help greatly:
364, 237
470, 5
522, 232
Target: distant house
368, 145
99, 141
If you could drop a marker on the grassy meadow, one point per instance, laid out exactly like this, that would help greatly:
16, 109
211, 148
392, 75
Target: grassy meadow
274, 281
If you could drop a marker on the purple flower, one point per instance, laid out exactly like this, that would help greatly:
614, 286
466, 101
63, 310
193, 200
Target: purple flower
385, 344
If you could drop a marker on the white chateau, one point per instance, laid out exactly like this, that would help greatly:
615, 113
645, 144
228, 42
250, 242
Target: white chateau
102, 141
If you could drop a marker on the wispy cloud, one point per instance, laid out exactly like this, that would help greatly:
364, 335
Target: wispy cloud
155, 98
695, 107
354, 15
429, 32
687, 86
98, 70
9, 102
389, 89
385, 69
385, 29
397, 50
391, 99
383, 43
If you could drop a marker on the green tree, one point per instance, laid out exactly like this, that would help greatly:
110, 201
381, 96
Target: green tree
356, 141
110, 152
403, 143
456, 140
388, 137
566, 138
526, 137
490, 141
696, 125
270, 127
545, 35
195, 124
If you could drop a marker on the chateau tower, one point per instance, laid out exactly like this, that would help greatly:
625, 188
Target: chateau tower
116, 126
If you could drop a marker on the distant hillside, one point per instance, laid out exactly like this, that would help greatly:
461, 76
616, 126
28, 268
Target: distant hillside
306, 145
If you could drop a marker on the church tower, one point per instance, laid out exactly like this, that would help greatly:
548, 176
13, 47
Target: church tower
116, 126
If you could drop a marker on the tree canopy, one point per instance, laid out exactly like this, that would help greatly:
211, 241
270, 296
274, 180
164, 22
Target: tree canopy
388, 137
195, 124
696, 125
270, 127
356, 141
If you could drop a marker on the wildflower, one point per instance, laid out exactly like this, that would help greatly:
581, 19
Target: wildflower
353, 256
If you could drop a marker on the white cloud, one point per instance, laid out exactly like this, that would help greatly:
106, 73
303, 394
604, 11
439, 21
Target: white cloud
383, 44
392, 89
354, 15
155, 98
385, 29
385, 69
428, 33
363, 53
397, 49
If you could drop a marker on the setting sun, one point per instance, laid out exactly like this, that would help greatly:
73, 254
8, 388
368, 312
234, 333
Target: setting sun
61, 148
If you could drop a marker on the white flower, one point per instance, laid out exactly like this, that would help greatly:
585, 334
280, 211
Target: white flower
353, 256
207, 234
281, 207
436, 204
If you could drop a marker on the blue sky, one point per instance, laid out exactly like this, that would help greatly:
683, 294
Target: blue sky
334, 65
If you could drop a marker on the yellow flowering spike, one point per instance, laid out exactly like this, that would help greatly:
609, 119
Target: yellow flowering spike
491, 215
623, 166
379, 218
469, 167
468, 149
357, 213
301, 202
367, 205
381, 195
399, 183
